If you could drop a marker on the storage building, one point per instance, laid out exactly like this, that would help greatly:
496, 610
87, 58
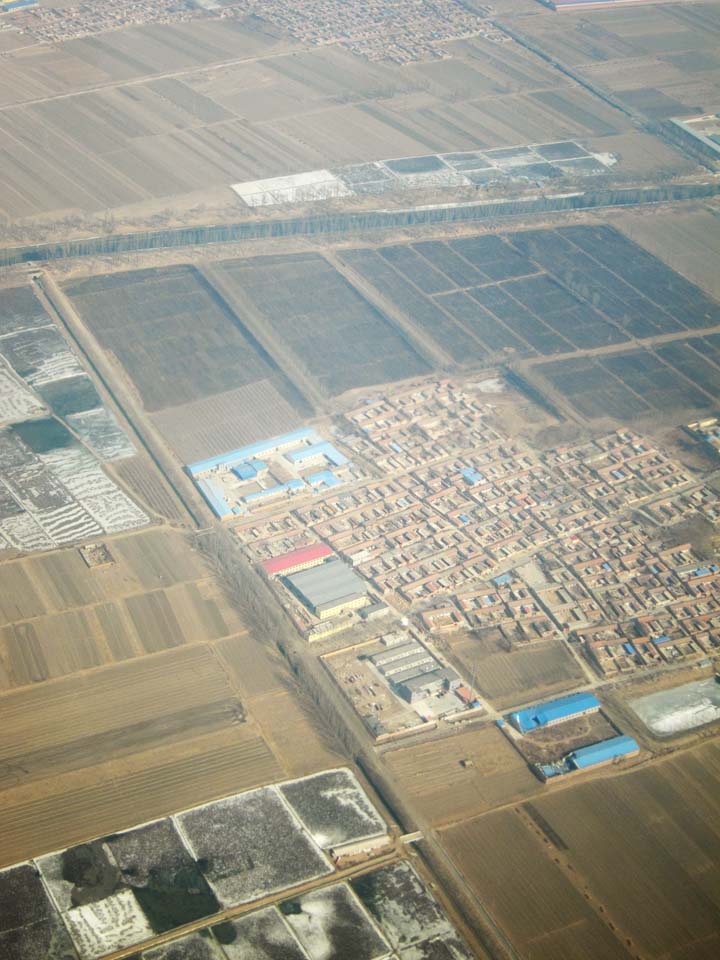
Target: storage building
329, 588
603, 752
554, 711
301, 559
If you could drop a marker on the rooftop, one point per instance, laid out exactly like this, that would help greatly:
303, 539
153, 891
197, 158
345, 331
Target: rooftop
313, 552
326, 584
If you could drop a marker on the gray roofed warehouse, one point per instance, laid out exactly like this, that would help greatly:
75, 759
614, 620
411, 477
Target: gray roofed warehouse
328, 587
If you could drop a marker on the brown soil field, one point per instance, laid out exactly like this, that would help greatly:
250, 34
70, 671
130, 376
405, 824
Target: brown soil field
84, 720
688, 240
78, 805
661, 61
225, 421
616, 865
235, 102
528, 672
538, 908
647, 846
292, 733
140, 476
61, 617
443, 791
130, 691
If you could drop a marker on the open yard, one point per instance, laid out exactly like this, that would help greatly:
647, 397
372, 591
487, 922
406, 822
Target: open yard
527, 672
444, 790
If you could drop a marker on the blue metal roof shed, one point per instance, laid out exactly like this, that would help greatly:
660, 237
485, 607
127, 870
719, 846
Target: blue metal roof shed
552, 711
602, 752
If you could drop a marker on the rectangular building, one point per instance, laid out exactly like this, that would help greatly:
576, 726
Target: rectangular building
329, 588
603, 752
301, 559
550, 712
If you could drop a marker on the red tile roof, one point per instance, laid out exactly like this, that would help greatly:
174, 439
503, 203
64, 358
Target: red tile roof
316, 551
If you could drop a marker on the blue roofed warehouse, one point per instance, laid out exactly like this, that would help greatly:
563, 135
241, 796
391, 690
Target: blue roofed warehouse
554, 711
603, 752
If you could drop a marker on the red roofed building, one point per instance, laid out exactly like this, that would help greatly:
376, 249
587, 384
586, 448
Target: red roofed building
296, 560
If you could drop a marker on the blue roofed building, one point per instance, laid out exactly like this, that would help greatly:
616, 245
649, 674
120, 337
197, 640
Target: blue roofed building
554, 711
603, 752
323, 450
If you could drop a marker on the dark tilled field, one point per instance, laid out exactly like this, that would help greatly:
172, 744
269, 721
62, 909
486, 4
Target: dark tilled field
539, 292
341, 339
174, 337
674, 380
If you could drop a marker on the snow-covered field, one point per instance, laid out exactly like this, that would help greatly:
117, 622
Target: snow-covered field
17, 402
684, 708
59, 496
333, 808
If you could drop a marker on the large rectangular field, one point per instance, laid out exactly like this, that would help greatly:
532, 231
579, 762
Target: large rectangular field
626, 865
538, 908
210, 384
445, 790
341, 339
155, 111
58, 617
131, 689
170, 333
579, 289
668, 384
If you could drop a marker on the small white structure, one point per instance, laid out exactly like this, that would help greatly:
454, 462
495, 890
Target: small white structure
295, 188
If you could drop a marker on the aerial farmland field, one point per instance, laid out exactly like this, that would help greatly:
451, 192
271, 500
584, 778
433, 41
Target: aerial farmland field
506, 865
187, 356
535, 670
445, 790
343, 341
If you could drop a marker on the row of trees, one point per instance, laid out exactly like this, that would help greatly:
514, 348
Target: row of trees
352, 222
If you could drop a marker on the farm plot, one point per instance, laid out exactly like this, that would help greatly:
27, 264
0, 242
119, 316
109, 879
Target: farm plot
673, 382
174, 337
539, 292
333, 808
459, 776
485, 296
62, 492
195, 946
341, 339
264, 935
60, 618
331, 923
401, 905
688, 239
51, 375
687, 304
253, 846
151, 861
505, 864
29, 927
507, 677
406, 298
389, 909
647, 846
